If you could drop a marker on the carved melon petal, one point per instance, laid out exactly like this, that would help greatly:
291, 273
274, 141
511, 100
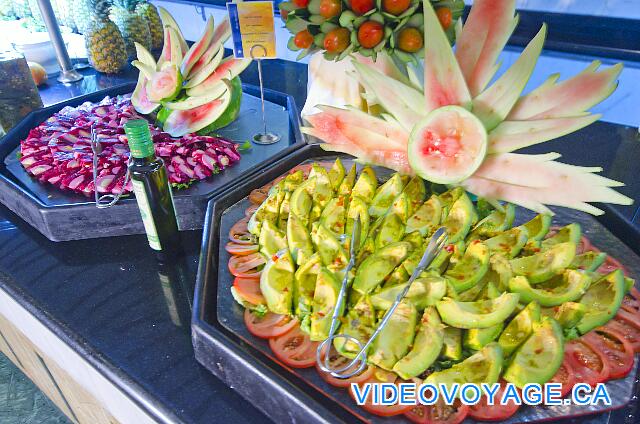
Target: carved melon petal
197, 49
168, 21
484, 35
220, 35
570, 97
392, 159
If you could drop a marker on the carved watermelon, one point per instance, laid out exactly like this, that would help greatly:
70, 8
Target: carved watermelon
197, 49
232, 111
228, 69
165, 84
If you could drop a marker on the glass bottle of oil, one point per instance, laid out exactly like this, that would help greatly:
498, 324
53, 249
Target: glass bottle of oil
153, 193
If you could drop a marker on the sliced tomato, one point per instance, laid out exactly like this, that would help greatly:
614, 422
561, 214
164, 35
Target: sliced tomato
249, 290
631, 304
439, 413
631, 317
269, 325
611, 264
336, 361
496, 412
246, 266
588, 364
241, 249
251, 210
627, 329
584, 246
615, 348
239, 233
382, 376
294, 348
259, 195
564, 376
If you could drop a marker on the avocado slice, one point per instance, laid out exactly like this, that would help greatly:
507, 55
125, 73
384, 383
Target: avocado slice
426, 217
478, 314
347, 182
276, 282
473, 293
304, 284
588, 261
358, 209
425, 291
298, 239
359, 323
538, 227
477, 338
300, 202
401, 206
602, 300
390, 231
499, 271
483, 366
471, 268
293, 180
336, 174
325, 298
283, 214
395, 338
452, 344
331, 252
426, 346
415, 191
568, 314
271, 239
267, 211
448, 198
509, 242
398, 276
365, 185
460, 218
373, 270
538, 358
519, 329
416, 240
495, 223
569, 233
385, 195
333, 216
571, 285
544, 265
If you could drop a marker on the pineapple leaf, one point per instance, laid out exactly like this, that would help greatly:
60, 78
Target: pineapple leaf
493, 105
483, 37
444, 83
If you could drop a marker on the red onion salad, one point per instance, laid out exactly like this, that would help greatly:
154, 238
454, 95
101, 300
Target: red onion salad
58, 151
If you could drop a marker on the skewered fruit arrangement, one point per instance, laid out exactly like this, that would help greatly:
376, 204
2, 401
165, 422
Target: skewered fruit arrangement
193, 90
453, 127
367, 27
150, 14
105, 45
134, 28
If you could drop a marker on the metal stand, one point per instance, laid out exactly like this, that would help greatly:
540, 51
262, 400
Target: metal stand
67, 73
264, 137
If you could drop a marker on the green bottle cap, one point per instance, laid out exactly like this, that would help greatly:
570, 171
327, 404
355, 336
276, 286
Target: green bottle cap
139, 137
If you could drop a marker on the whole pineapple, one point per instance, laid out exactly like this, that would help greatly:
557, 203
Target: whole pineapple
81, 12
151, 15
6, 10
21, 9
134, 28
105, 45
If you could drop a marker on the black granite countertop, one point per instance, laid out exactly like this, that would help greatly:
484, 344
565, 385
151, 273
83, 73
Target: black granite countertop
110, 301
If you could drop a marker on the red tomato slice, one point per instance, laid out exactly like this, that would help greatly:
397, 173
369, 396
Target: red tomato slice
382, 376
588, 364
629, 316
496, 412
564, 376
246, 266
251, 210
258, 195
631, 305
239, 233
241, 249
615, 348
335, 361
611, 264
584, 246
249, 290
438, 413
270, 325
294, 348
627, 329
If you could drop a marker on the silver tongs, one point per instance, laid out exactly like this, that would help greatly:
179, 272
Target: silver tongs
436, 244
106, 200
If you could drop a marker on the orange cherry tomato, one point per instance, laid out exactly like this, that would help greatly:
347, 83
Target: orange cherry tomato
360, 7
370, 34
336, 40
444, 16
410, 40
303, 39
330, 8
301, 3
395, 7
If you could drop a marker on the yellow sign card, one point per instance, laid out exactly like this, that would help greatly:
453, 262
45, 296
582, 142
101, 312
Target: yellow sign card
253, 29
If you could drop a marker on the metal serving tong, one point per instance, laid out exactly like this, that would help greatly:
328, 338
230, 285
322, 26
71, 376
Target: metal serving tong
436, 244
106, 200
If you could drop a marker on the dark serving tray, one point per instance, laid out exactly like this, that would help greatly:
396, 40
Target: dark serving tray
224, 346
64, 216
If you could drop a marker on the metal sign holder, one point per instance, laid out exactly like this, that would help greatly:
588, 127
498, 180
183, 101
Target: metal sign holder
264, 137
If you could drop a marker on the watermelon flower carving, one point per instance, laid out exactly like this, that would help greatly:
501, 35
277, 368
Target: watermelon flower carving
456, 127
